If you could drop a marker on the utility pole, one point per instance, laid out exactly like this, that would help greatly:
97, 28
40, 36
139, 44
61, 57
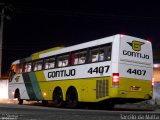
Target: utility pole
1, 36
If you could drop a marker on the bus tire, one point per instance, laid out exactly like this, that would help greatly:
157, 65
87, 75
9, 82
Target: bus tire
17, 95
20, 101
72, 98
58, 97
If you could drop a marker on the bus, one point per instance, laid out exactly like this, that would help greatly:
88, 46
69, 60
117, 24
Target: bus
112, 70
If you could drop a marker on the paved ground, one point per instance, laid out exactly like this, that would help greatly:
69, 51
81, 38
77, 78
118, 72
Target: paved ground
33, 112
30, 111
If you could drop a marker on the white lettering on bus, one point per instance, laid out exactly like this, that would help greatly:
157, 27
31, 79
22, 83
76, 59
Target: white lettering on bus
61, 73
135, 54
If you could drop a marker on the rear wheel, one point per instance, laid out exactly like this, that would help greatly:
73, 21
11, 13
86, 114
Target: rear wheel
72, 98
58, 98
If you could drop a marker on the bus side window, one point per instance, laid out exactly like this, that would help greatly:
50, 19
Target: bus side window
38, 65
46, 63
60, 63
108, 53
51, 63
82, 59
34, 66
79, 58
28, 67
94, 55
63, 61
25, 69
101, 54
20, 68
75, 59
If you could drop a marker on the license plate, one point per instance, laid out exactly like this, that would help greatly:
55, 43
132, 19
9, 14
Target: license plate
135, 88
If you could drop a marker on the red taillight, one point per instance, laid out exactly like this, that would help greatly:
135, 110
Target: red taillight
115, 79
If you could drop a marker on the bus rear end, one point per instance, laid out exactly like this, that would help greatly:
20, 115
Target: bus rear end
132, 81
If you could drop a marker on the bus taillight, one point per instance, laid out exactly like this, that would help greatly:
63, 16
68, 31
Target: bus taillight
115, 79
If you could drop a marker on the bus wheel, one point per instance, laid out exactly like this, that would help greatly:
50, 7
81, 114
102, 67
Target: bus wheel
44, 102
17, 95
58, 97
72, 98
20, 101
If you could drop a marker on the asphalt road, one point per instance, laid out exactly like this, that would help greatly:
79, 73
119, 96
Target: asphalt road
39, 112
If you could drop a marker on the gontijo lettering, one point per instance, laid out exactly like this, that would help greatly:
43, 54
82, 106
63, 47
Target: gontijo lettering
62, 73
135, 54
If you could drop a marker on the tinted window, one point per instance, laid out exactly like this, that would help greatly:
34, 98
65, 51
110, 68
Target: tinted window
100, 53
28, 67
63, 61
79, 57
49, 63
38, 65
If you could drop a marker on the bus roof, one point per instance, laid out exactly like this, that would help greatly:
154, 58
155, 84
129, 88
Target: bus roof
79, 46
61, 50
36, 55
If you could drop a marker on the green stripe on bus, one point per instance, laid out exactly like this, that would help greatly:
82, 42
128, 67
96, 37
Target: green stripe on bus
36, 87
29, 87
28, 81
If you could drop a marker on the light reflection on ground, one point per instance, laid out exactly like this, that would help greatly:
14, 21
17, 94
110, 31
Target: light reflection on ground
14, 101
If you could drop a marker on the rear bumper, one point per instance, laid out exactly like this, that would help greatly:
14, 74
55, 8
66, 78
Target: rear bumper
134, 94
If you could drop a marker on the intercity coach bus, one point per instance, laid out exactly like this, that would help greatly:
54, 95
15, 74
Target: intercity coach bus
111, 70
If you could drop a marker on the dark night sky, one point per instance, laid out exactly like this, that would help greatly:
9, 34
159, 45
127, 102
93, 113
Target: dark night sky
37, 25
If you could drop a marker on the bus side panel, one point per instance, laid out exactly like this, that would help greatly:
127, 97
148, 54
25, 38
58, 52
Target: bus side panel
89, 89
94, 89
